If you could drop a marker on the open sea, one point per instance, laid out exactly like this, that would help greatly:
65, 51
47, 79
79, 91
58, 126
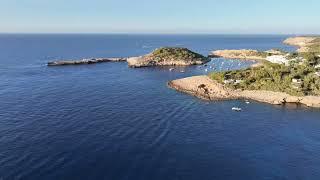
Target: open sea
108, 121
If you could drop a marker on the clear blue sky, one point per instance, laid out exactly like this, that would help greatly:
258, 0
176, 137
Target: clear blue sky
161, 16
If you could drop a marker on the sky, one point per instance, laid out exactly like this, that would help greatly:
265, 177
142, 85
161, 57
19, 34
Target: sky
161, 16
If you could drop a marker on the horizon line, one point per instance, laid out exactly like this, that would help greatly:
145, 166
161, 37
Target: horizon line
153, 33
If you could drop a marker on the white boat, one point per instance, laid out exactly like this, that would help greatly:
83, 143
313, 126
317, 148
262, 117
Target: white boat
247, 102
236, 109
171, 69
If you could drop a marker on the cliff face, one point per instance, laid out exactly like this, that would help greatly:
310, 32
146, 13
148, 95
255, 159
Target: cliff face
168, 57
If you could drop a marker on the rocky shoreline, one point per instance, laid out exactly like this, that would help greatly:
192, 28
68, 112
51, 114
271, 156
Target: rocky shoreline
85, 61
205, 88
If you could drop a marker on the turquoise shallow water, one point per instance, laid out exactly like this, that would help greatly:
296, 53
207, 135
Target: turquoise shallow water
107, 121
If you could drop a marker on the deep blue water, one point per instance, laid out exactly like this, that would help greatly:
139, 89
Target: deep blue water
107, 121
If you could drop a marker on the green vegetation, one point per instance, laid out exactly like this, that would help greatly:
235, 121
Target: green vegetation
316, 41
295, 79
275, 51
249, 53
314, 46
293, 55
262, 54
177, 53
279, 50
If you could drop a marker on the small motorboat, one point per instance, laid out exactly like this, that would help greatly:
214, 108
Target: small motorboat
182, 71
247, 102
171, 69
236, 109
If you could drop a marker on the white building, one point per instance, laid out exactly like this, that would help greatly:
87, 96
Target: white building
279, 59
228, 81
297, 81
238, 81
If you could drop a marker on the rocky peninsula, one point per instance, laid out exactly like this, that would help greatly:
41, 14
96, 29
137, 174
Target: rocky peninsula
245, 54
84, 61
209, 89
273, 55
168, 56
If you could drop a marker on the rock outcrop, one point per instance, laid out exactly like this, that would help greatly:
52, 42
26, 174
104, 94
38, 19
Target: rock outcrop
206, 88
246, 54
84, 61
168, 57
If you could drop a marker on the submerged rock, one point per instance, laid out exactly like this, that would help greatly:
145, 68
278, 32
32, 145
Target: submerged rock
168, 56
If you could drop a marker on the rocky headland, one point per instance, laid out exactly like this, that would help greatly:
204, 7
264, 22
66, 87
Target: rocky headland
206, 88
168, 56
304, 43
84, 61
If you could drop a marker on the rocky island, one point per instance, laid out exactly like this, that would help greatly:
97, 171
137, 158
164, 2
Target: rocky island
292, 78
168, 56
